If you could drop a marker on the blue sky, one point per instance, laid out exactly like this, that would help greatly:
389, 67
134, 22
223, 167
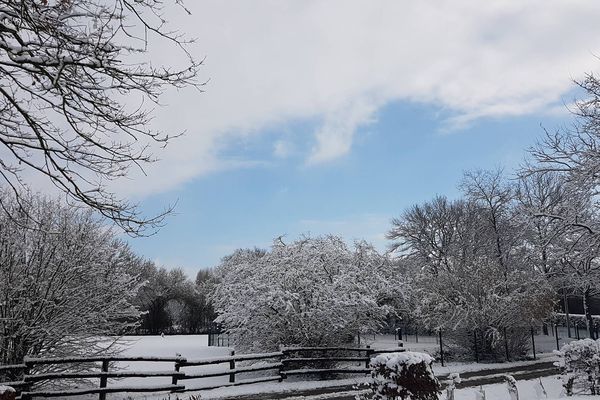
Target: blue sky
406, 155
332, 117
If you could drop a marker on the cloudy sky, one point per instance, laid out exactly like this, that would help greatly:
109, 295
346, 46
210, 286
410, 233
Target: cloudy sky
333, 116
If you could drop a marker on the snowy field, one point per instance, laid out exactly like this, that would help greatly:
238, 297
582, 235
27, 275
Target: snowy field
189, 346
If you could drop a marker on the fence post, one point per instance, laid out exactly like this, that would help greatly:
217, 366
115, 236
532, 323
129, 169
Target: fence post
506, 345
566, 306
556, 334
533, 342
232, 367
27, 386
280, 369
416, 334
103, 380
175, 378
441, 348
476, 347
369, 353
284, 353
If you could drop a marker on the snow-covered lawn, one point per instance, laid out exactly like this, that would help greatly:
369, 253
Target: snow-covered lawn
189, 346
528, 390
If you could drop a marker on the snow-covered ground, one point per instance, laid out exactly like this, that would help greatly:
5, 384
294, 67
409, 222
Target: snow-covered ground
528, 390
189, 346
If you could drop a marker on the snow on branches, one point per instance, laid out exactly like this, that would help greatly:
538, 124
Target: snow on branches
75, 84
64, 284
579, 362
312, 292
468, 269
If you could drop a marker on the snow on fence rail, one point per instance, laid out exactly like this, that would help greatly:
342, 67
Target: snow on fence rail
287, 362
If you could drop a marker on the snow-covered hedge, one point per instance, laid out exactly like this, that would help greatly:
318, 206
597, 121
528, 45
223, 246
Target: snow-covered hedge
407, 376
579, 362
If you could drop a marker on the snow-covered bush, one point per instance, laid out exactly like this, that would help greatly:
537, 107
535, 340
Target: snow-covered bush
406, 376
7, 393
312, 292
579, 362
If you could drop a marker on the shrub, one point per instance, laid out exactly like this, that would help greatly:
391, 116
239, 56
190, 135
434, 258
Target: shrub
407, 376
579, 362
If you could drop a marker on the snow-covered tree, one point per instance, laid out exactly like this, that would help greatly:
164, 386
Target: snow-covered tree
469, 274
312, 292
65, 283
76, 79
572, 154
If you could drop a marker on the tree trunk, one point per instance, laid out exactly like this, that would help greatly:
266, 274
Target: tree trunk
589, 321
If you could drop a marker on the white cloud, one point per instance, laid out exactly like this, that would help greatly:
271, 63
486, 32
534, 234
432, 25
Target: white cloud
334, 137
340, 61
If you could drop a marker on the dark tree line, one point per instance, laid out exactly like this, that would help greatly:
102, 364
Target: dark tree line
172, 303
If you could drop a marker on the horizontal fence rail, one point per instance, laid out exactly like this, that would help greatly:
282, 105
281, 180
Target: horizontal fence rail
292, 361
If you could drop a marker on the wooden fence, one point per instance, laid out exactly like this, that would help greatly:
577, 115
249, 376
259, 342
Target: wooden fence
38, 380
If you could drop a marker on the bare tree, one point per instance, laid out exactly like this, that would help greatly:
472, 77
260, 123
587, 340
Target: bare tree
73, 91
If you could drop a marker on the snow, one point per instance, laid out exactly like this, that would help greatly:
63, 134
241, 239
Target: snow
407, 358
6, 389
188, 346
527, 391
276, 387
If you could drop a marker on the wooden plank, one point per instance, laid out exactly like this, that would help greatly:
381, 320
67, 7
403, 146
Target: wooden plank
78, 392
394, 350
238, 370
228, 359
327, 370
317, 359
116, 374
299, 349
238, 383
17, 367
71, 360
14, 384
